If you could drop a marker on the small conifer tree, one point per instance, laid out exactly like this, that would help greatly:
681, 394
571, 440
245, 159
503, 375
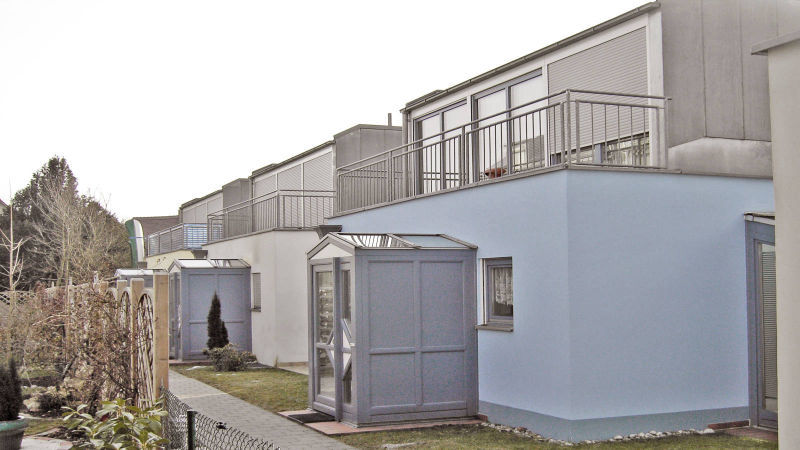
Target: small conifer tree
217, 333
10, 392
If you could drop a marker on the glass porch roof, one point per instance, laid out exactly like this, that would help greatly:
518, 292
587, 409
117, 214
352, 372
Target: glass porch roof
400, 241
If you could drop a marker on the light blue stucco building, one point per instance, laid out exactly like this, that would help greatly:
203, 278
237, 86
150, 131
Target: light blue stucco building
629, 296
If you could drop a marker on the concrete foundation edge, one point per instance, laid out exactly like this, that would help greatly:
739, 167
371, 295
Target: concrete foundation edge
607, 427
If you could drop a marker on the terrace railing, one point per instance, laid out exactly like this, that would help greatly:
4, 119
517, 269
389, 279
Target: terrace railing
570, 127
184, 236
285, 209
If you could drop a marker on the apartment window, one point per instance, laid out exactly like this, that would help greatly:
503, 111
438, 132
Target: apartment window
437, 149
525, 133
498, 282
256, 290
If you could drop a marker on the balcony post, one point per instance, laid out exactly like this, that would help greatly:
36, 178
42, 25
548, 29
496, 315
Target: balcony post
462, 155
389, 176
568, 126
577, 131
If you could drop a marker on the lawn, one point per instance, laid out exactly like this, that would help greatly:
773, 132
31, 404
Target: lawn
476, 436
280, 390
271, 389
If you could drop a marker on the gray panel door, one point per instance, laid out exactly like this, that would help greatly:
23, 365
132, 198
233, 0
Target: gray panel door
767, 336
763, 330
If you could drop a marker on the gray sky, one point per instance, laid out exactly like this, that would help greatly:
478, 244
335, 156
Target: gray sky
154, 103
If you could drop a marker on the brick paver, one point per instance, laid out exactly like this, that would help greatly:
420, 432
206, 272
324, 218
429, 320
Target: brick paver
246, 417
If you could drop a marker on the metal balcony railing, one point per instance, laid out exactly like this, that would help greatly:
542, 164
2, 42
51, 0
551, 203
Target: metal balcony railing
570, 127
276, 210
185, 236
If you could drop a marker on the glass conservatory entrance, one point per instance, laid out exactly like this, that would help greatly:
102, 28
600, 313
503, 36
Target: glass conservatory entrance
332, 336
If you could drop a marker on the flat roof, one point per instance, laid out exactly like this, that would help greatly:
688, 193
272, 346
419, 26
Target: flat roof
437, 94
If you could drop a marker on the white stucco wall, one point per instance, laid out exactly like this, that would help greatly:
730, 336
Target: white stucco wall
784, 78
280, 329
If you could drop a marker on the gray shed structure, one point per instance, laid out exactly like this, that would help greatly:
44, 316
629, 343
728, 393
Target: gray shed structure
192, 284
404, 306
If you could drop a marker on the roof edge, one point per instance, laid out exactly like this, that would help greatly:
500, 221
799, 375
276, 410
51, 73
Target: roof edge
368, 127
763, 47
195, 200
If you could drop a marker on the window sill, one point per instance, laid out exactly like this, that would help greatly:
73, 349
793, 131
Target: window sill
495, 327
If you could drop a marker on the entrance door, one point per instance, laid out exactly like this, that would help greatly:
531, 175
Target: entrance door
333, 336
324, 386
763, 330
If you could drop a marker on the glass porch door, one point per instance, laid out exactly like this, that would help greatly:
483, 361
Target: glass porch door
333, 322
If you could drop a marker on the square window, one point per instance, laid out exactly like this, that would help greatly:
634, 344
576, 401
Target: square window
498, 284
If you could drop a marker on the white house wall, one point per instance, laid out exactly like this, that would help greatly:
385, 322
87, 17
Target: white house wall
280, 329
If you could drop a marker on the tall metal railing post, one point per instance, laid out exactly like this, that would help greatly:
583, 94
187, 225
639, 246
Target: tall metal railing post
568, 129
664, 138
389, 176
577, 131
190, 429
462, 163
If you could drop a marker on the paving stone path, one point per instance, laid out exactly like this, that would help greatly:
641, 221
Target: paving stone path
246, 417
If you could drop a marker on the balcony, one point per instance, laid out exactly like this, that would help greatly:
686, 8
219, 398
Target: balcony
571, 127
276, 210
185, 236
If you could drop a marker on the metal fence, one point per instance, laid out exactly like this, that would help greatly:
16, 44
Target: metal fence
190, 430
182, 236
573, 127
278, 209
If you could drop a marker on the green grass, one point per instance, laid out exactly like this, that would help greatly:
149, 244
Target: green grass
280, 390
271, 389
38, 425
475, 436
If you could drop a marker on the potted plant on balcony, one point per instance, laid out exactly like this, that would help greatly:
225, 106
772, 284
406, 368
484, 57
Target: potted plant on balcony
12, 426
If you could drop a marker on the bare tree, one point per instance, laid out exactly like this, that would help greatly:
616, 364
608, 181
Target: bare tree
10, 318
13, 247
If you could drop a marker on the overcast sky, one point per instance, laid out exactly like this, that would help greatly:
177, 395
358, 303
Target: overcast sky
154, 103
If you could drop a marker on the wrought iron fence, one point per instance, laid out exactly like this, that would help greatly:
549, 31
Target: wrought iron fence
278, 209
190, 430
570, 127
181, 236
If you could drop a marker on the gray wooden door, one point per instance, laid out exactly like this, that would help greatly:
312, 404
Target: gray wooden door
763, 330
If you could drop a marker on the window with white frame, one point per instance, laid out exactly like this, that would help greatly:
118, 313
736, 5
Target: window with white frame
498, 282
256, 290
525, 132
